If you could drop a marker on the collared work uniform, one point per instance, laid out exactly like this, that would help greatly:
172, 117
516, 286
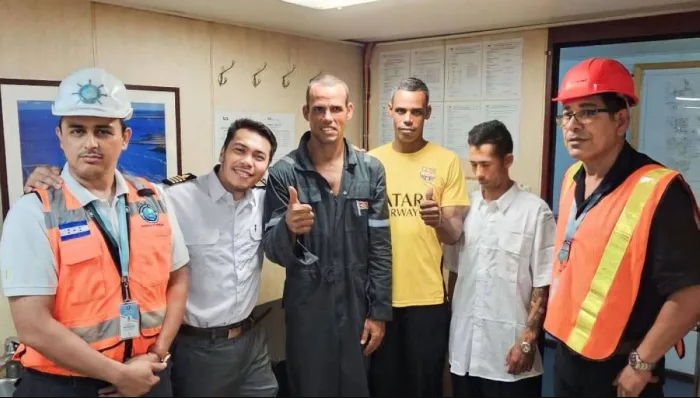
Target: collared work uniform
53, 245
219, 351
606, 295
337, 275
505, 252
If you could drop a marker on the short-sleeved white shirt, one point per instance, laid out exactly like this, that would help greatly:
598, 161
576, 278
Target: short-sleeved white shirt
27, 264
505, 251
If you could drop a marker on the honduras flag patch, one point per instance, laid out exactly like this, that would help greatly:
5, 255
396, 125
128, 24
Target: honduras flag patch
74, 229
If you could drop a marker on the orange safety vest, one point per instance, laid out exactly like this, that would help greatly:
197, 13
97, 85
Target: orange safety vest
89, 292
593, 292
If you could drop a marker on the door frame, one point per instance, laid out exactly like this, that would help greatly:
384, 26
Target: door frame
659, 27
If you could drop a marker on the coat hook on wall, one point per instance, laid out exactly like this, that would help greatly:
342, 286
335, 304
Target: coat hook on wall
257, 81
222, 79
285, 82
319, 74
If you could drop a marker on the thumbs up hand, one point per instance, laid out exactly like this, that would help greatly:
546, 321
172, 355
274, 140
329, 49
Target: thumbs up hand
300, 217
430, 210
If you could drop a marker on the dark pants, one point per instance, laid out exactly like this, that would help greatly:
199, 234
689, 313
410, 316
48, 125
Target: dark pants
239, 367
468, 386
37, 384
578, 376
411, 360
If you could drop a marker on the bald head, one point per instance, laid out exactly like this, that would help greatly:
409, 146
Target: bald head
327, 81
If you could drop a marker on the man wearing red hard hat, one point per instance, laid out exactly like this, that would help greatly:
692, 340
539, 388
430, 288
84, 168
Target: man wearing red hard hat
625, 280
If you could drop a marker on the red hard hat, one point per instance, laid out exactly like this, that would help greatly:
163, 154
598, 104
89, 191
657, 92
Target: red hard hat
596, 76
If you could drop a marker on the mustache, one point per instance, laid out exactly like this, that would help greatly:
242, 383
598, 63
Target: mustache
90, 153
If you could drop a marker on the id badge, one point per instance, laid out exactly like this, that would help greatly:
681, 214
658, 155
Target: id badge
129, 321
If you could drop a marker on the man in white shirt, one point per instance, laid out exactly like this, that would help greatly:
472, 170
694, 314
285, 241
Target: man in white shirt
218, 350
500, 273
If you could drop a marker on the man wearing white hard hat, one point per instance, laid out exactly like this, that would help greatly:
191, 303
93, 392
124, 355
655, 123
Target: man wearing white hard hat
94, 270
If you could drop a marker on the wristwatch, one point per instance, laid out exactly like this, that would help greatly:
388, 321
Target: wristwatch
636, 363
161, 358
526, 347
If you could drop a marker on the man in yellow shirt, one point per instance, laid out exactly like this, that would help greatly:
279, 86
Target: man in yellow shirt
427, 204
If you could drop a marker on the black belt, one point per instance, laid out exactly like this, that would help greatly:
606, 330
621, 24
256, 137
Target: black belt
222, 332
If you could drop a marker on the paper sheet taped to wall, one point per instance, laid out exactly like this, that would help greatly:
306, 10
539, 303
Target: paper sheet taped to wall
281, 124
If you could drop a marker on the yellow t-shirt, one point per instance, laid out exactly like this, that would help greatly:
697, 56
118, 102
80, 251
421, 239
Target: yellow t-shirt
416, 250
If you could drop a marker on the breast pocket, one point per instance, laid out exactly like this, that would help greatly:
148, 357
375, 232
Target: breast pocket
357, 206
82, 269
200, 241
515, 246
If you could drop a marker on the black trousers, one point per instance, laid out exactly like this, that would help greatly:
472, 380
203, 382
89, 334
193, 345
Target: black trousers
411, 360
578, 376
467, 386
222, 367
38, 384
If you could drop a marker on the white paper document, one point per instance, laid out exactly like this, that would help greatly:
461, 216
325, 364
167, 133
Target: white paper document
502, 63
281, 124
433, 127
459, 119
428, 64
507, 112
463, 72
394, 66
386, 126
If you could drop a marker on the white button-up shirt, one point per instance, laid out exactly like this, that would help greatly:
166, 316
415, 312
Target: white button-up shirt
224, 238
505, 251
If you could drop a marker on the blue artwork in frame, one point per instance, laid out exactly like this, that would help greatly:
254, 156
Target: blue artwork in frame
28, 138
145, 156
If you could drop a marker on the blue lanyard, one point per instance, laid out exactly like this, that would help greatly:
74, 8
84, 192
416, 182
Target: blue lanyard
573, 224
123, 238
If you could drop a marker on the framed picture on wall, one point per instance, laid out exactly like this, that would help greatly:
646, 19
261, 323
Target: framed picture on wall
28, 139
666, 124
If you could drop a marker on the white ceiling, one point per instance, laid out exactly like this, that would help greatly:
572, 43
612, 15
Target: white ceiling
387, 20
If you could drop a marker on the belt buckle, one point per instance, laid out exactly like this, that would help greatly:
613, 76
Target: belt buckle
234, 332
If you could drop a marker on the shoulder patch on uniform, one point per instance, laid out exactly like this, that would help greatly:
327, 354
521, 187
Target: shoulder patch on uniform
179, 179
261, 184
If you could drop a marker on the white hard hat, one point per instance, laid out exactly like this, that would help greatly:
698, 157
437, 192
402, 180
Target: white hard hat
92, 92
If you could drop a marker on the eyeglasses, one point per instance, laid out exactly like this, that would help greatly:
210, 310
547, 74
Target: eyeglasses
584, 116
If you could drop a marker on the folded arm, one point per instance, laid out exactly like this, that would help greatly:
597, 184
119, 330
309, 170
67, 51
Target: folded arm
37, 329
451, 224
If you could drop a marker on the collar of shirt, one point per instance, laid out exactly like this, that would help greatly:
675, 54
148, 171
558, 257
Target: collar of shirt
501, 203
82, 194
303, 160
217, 191
627, 162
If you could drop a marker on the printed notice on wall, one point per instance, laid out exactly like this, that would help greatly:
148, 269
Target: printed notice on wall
502, 63
433, 127
386, 126
459, 119
281, 124
508, 113
428, 64
463, 68
394, 66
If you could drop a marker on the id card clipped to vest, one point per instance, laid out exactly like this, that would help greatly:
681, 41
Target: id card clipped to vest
129, 321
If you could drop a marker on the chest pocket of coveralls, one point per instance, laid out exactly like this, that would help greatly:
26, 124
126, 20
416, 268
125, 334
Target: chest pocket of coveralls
81, 269
357, 203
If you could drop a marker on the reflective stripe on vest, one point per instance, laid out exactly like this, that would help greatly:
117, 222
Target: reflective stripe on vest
593, 292
612, 258
88, 295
